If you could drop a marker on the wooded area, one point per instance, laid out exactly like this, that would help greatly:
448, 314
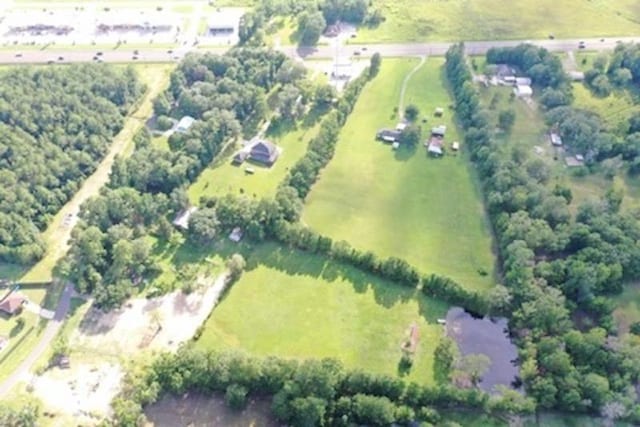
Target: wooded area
56, 124
557, 267
227, 95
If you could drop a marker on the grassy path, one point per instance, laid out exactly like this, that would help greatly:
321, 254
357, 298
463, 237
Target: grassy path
57, 234
404, 86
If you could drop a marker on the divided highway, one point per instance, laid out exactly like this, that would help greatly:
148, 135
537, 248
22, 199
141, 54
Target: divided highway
320, 52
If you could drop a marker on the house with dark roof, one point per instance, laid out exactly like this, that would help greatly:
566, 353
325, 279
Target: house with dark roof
12, 303
264, 152
389, 135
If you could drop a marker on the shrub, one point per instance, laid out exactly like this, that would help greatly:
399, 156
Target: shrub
236, 397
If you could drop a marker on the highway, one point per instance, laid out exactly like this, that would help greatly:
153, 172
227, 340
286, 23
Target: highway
123, 54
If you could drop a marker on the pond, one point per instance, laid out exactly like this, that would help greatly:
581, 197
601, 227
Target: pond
489, 337
196, 410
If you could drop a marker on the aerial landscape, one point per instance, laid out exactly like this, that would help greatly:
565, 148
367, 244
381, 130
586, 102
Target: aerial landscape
319, 213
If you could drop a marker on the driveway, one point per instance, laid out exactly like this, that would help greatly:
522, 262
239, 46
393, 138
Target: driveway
50, 332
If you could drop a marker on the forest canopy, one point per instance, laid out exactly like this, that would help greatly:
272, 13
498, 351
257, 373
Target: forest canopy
55, 126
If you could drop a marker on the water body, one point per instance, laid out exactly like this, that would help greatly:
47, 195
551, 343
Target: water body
489, 337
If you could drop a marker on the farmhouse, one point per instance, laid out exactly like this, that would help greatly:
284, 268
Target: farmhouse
439, 131
523, 81
434, 146
12, 303
555, 139
182, 219
505, 71
389, 135
264, 152
184, 124
523, 91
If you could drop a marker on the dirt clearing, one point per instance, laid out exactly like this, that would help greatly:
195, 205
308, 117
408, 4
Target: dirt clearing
158, 323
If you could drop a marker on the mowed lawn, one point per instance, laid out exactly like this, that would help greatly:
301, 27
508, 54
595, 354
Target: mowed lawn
421, 20
404, 203
298, 305
222, 177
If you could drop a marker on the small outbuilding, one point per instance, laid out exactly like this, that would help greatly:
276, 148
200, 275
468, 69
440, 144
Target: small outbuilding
401, 126
576, 76
239, 158
522, 91
455, 146
236, 234
555, 139
439, 111
184, 124
12, 303
182, 219
524, 81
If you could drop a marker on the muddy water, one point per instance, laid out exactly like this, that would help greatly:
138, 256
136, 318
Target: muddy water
488, 337
196, 410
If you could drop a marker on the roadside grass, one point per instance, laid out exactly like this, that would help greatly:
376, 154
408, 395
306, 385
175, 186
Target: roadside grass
21, 342
221, 177
403, 203
423, 20
299, 305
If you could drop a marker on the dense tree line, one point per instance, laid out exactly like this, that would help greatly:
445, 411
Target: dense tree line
110, 248
556, 266
56, 124
307, 393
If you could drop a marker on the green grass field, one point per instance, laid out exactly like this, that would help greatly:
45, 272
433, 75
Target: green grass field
614, 109
222, 177
403, 203
422, 20
298, 305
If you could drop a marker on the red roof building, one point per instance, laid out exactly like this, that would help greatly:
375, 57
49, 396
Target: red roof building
12, 303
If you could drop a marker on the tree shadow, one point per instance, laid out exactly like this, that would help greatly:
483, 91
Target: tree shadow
405, 151
314, 115
280, 127
404, 366
297, 262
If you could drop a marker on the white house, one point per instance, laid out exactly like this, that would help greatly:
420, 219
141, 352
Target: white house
522, 90
184, 124
555, 139
182, 219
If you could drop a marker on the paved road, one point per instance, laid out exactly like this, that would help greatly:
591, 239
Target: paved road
51, 330
124, 54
